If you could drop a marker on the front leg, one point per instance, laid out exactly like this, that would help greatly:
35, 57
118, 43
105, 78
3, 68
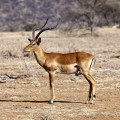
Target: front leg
51, 80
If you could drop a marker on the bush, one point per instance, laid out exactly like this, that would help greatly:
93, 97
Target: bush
29, 27
0, 4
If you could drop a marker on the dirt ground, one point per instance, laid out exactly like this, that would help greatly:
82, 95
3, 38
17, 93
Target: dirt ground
26, 97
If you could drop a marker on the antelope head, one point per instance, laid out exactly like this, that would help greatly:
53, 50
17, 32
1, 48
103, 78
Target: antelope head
33, 46
36, 40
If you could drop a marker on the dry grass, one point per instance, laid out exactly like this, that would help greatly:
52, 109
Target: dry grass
26, 98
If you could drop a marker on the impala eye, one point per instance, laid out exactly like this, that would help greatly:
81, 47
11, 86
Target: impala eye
33, 44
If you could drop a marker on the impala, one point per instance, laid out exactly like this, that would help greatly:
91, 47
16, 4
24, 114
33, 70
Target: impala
72, 63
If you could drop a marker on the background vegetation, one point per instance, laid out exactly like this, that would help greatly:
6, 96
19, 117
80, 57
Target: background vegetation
24, 14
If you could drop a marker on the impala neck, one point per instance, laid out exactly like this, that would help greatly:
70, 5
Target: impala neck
40, 55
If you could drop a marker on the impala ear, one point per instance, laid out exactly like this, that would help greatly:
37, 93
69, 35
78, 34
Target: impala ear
30, 39
38, 41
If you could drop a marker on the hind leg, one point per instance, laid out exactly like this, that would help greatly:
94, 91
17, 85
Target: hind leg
93, 89
86, 73
92, 83
89, 94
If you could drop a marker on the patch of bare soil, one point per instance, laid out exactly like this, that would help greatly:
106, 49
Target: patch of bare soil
24, 85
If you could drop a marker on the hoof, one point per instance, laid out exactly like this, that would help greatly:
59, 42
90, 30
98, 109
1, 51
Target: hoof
86, 102
91, 102
51, 101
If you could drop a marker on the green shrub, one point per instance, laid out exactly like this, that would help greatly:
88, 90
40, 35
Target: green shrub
29, 27
0, 4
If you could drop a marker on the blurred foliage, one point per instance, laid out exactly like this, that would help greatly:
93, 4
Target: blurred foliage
13, 28
0, 4
29, 27
92, 13
97, 12
73, 13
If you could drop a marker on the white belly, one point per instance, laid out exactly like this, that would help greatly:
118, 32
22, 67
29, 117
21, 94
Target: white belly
66, 69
